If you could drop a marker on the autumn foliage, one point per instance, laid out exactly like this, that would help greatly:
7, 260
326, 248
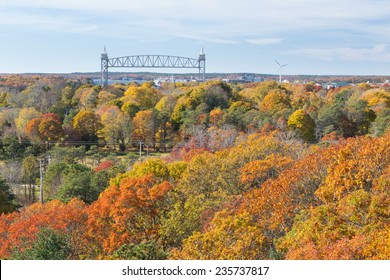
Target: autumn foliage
127, 212
20, 229
302, 203
328, 205
352, 220
254, 171
104, 166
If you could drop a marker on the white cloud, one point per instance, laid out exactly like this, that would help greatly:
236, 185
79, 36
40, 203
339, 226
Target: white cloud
264, 41
260, 22
251, 17
218, 41
203, 38
45, 22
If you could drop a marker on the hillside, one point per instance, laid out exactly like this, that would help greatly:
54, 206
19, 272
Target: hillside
209, 170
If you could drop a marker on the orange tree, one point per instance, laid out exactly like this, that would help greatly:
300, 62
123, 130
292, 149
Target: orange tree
352, 221
331, 204
269, 209
129, 211
50, 127
211, 182
19, 230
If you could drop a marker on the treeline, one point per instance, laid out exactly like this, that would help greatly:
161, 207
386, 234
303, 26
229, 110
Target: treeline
257, 171
46, 111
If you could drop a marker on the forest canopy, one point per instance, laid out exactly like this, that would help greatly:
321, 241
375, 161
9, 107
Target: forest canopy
208, 170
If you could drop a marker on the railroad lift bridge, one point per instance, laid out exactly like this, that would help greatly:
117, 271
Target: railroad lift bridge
152, 61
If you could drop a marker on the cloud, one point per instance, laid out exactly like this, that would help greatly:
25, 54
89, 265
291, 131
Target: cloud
264, 41
378, 53
252, 17
64, 23
220, 41
264, 22
204, 38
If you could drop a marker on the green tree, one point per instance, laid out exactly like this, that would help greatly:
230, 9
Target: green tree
7, 198
361, 115
49, 245
78, 182
328, 119
236, 113
303, 123
30, 167
143, 251
212, 95
11, 147
381, 123
67, 154
54, 177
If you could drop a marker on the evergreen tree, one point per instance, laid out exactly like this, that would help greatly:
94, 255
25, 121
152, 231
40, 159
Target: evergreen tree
7, 198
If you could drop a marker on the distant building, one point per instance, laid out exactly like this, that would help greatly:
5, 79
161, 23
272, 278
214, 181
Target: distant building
246, 78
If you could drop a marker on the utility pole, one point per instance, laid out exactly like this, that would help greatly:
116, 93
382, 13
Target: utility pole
41, 165
140, 148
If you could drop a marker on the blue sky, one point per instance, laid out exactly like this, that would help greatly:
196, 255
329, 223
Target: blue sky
350, 37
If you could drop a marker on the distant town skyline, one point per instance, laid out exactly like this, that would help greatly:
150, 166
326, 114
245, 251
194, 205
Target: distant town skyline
313, 37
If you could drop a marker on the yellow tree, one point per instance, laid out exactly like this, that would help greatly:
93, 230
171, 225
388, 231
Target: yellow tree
353, 220
116, 126
276, 103
303, 123
87, 124
86, 97
145, 96
25, 115
145, 125
228, 237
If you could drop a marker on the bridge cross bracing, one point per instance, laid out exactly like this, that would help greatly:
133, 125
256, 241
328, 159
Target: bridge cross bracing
152, 61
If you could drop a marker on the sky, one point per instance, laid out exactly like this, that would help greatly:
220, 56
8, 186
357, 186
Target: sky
314, 37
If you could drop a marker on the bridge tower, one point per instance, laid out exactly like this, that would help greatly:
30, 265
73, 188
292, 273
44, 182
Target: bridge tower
202, 64
104, 67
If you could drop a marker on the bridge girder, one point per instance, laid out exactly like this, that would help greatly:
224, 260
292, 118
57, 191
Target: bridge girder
152, 61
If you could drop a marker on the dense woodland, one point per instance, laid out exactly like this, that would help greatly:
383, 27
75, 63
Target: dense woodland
193, 170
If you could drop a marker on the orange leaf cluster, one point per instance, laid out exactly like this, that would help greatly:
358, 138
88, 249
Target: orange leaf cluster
128, 213
23, 227
104, 165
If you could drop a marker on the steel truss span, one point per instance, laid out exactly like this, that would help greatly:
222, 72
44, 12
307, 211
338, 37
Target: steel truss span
152, 61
